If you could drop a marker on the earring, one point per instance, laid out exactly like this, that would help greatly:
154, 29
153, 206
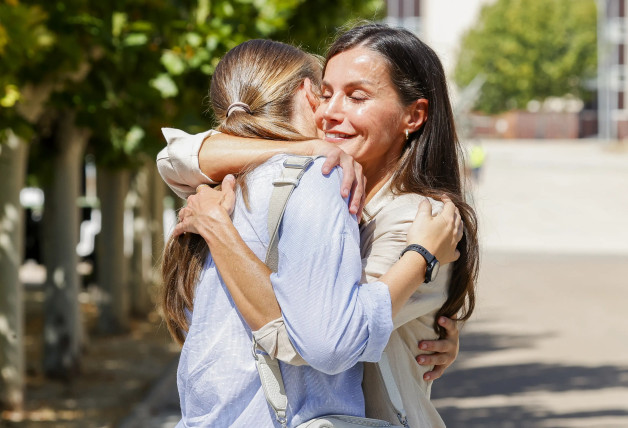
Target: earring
407, 135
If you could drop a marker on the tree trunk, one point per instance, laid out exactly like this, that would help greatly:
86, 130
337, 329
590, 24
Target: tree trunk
113, 186
13, 156
62, 318
157, 194
141, 263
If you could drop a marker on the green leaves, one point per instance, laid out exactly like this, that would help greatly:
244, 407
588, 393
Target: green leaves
165, 85
529, 50
129, 67
173, 63
135, 39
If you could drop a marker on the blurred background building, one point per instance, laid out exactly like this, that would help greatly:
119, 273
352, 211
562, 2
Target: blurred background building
605, 115
435, 22
611, 83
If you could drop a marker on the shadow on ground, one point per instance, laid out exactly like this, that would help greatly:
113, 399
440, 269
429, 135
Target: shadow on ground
519, 417
510, 380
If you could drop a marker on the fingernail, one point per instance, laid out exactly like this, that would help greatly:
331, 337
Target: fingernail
426, 377
421, 360
442, 320
423, 346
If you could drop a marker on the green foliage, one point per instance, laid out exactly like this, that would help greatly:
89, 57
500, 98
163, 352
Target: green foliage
529, 49
315, 23
24, 40
128, 67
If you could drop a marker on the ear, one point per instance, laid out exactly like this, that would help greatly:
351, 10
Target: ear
416, 115
311, 94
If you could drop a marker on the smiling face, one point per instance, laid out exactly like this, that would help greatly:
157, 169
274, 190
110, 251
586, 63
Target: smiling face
361, 112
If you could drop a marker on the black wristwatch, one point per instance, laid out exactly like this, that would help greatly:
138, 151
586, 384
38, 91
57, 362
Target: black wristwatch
432, 263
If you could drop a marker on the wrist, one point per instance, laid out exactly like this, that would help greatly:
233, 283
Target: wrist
416, 262
306, 148
431, 262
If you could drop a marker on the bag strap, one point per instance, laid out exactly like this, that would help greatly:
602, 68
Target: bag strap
293, 169
272, 384
268, 367
392, 389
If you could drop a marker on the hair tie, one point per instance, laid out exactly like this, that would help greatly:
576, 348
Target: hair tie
238, 106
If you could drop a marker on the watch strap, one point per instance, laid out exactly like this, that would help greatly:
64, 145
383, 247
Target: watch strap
430, 259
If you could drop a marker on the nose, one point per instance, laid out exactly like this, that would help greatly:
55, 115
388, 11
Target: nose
333, 109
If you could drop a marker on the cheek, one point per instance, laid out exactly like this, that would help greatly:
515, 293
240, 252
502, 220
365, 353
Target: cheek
375, 122
318, 117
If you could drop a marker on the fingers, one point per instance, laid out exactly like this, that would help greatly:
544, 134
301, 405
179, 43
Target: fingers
353, 202
459, 224
449, 209
202, 186
228, 193
358, 190
434, 374
332, 159
228, 183
183, 213
425, 210
179, 229
348, 176
434, 360
442, 346
362, 200
451, 326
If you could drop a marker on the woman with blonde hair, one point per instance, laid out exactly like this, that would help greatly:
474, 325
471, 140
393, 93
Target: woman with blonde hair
267, 89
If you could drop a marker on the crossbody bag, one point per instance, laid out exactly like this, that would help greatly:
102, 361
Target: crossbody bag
267, 367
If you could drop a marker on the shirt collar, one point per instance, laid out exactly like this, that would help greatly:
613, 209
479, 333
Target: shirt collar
383, 197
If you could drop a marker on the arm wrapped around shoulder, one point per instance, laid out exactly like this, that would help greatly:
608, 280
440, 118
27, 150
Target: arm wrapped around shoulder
178, 161
332, 320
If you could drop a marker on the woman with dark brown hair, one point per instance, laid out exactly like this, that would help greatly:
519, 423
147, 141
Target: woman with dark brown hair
268, 89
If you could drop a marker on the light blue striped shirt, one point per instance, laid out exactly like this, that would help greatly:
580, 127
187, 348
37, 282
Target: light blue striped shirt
332, 319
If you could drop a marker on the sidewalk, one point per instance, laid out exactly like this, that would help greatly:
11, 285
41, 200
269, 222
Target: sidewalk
160, 408
546, 348
548, 343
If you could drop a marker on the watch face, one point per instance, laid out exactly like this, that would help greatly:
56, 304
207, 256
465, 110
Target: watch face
435, 271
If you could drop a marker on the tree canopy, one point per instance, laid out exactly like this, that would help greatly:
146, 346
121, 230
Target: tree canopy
529, 50
128, 67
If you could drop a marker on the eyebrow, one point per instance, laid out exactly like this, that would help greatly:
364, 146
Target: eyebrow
353, 83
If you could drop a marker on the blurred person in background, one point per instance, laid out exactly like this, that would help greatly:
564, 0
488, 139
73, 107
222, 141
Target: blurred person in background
477, 156
379, 86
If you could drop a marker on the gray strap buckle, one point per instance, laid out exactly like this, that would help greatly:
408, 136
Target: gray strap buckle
295, 161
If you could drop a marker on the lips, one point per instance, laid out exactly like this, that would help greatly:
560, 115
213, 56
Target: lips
337, 136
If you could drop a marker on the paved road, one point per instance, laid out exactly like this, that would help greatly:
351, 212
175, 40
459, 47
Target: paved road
548, 345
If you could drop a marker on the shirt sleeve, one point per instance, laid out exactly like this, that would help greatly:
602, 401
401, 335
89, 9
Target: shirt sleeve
178, 161
273, 338
331, 319
389, 240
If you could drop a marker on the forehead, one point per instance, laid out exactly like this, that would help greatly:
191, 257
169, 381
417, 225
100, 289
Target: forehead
358, 64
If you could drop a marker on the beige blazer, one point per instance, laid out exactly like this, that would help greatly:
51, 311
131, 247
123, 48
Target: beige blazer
386, 219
